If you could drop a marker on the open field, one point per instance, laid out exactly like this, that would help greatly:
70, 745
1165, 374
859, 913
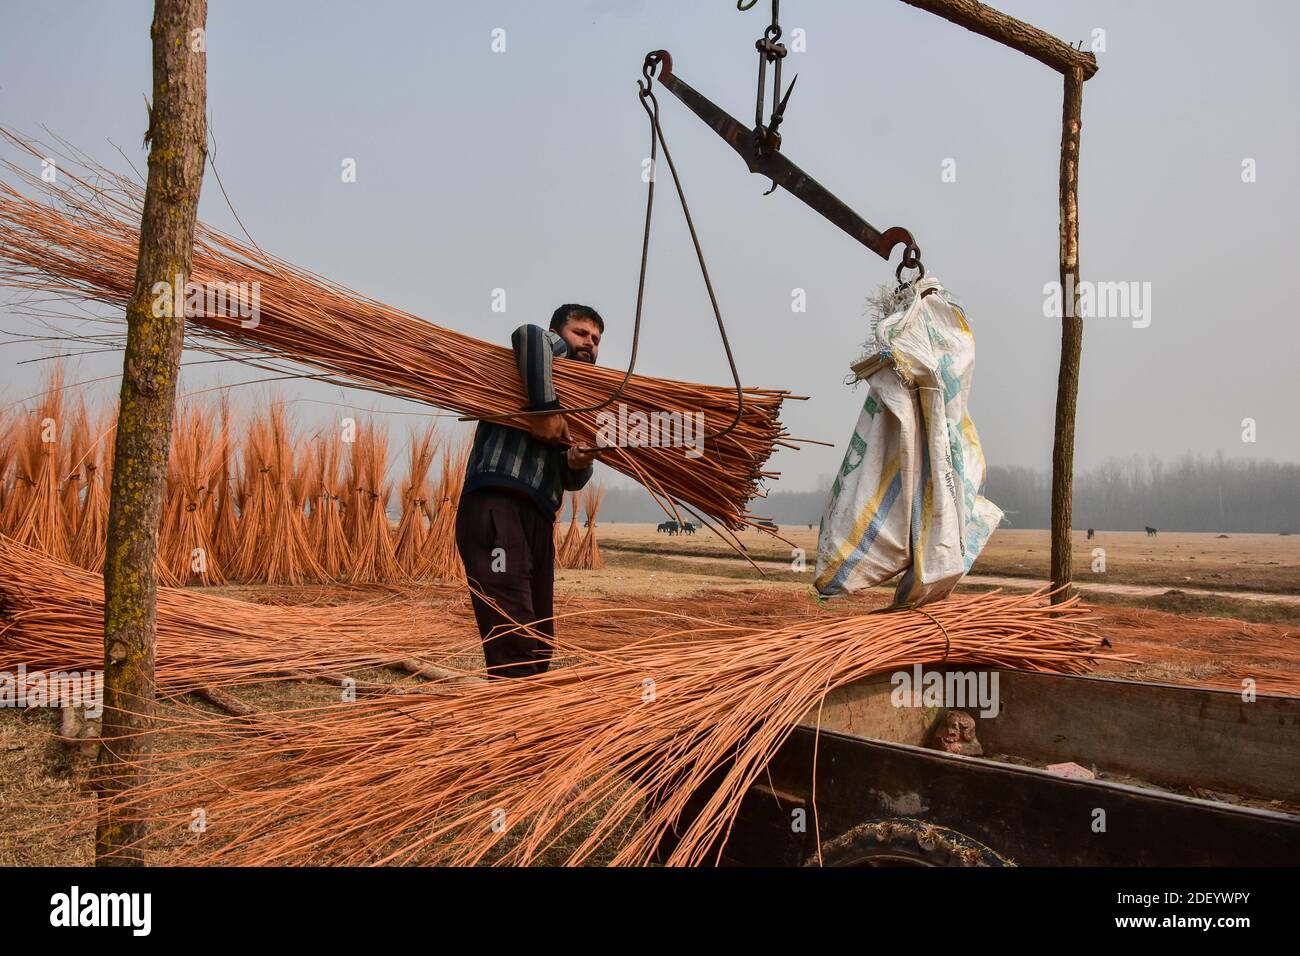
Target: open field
1241, 562
1254, 577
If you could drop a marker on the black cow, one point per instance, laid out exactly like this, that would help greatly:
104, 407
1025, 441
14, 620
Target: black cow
1151, 532
671, 527
688, 528
1090, 534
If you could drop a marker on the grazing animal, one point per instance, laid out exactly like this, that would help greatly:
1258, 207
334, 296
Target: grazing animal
1090, 533
767, 525
670, 527
1151, 532
688, 528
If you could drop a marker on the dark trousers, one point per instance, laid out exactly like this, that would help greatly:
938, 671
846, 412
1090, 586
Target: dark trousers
508, 546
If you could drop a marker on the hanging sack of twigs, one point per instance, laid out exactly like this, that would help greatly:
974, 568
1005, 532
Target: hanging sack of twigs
907, 496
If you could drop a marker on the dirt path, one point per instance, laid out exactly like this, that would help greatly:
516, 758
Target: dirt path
1237, 566
1136, 590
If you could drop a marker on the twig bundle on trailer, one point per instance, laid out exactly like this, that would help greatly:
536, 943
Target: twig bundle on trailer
503, 771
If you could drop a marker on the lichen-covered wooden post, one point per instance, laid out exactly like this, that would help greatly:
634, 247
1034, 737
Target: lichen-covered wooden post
155, 331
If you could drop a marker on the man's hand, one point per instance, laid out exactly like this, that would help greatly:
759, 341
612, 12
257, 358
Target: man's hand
552, 429
580, 457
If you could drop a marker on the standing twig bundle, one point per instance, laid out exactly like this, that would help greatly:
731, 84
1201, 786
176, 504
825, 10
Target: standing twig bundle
72, 473
87, 548
254, 500
7, 447
412, 533
36, 514
371, 534
185, 537
555, 529
225, 522
286, 557
325, 526
566, 555
441, 559
588, 554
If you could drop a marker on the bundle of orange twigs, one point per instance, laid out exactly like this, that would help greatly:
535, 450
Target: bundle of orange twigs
505, 771
274, 508
588, 552
85, 247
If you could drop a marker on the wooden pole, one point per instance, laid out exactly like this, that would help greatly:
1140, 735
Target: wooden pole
1021, 36
1067, 382
155, 331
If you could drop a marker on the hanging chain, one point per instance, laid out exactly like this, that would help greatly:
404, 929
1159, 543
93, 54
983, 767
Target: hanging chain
770, 50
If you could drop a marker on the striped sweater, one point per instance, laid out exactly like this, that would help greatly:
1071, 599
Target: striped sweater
507, 457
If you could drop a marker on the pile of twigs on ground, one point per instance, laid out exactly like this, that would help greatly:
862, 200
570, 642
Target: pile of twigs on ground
52, 619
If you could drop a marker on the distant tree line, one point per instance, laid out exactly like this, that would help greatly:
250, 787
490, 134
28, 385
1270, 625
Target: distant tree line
1193, 493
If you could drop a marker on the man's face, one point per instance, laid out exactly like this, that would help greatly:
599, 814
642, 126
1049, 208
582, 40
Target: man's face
583, 337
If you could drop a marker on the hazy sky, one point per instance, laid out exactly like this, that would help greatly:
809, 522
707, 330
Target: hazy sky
521, 170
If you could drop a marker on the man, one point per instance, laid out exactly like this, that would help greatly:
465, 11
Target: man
514, 486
